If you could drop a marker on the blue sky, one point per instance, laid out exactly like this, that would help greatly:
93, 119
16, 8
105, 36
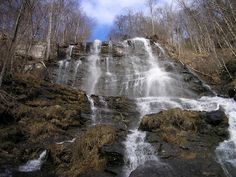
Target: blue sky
104, 12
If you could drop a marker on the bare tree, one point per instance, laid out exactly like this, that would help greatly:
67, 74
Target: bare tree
9, 59
151, 4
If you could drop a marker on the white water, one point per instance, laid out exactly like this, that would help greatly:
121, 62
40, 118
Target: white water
69, 51
93, 109
77, 64
59, 73
94, 71
109, 57
34, 165
159, 46
63, 71
155, 82
68, 141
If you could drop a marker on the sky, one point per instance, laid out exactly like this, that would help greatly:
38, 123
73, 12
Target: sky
104, 12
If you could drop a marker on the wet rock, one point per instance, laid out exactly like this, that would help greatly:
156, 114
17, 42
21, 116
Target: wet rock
215, 117
114, 154
96, 173
117, 50
232, 92
81, 50
231, 66
153, 169
231, 87
197, 167
173, 118
187, 137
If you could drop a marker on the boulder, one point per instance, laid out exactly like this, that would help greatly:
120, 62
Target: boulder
153, 169
185, 139
215, 117
173, 118
177, 121
114, 154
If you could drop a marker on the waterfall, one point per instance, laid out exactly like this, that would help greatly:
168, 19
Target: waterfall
69, 51
160, 47
93, 109
157, 79
137, 150
65, 75
34, 165
77, 64
64, 67
141, 76
63, 72
109, 57
59, 72
94, 71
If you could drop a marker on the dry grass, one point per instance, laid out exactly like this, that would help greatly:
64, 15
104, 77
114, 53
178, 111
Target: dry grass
37, 129
188, 155
86, 149
206, 63
173, 125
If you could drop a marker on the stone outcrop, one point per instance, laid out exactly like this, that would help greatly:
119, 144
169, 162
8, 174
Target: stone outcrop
185, 139
34, 114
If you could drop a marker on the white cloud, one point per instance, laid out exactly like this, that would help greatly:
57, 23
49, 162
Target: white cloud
104, 11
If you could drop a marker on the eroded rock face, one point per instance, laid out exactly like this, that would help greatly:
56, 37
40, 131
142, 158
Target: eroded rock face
185, 139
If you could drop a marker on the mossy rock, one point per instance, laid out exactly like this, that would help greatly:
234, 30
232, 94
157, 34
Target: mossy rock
170, 120
175, 125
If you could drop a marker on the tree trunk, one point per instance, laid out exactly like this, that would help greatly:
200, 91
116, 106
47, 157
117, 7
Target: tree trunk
49, 32
9, 59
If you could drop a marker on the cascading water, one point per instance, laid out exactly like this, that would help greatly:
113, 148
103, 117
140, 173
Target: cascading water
93, 109
63, 71
59, 72
94, 71
70, 51
34, 165
141, 76
77, 64
137, 150
109, 57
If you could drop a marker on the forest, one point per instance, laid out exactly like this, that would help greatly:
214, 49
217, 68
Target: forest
25, 22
